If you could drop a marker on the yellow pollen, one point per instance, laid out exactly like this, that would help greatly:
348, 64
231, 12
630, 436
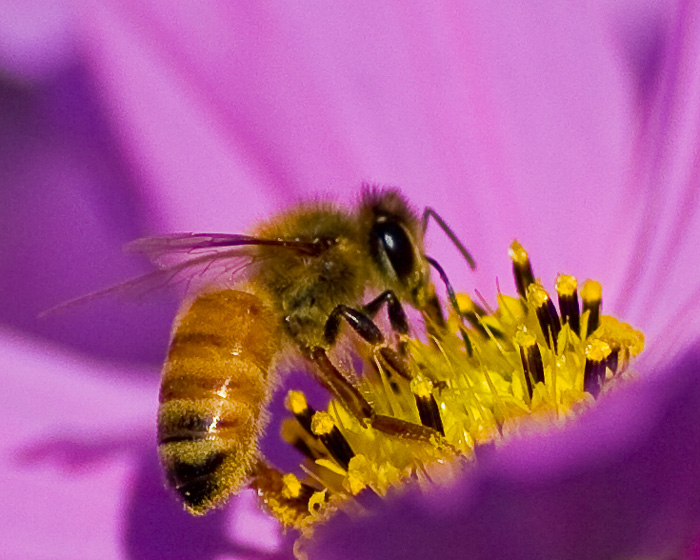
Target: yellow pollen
493, 372
291, 486
620, 335
296, 402
518, 254
421, 387
322, 424
317, 500
597, 351
592, 291
537, 295
524, 338
566, 285
465, 303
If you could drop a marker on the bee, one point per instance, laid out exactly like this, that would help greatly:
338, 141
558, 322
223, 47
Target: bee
286, 288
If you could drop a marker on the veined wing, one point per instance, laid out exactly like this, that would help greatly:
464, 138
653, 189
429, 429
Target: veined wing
192, 261
164, 250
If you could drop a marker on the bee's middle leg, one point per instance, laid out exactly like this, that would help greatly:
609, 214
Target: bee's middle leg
331, 378
363, 325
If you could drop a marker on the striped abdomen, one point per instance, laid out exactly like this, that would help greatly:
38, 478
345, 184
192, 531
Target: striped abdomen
215, 388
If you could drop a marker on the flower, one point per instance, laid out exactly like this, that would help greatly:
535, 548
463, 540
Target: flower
571, 128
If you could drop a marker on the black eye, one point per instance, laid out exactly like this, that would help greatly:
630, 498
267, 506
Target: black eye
391, 239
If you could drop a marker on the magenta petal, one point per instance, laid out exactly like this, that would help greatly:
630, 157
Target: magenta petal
511, 120
620, 483
67, 205
197, 173
70, 439
80, 471
665, 181
36, 38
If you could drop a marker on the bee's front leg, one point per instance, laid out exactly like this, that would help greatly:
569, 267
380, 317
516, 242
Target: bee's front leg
397, 316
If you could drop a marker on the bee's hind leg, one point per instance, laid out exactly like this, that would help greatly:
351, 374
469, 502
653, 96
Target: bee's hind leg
283, 495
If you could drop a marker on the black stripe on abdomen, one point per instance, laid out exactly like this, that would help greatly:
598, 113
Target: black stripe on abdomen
196, 483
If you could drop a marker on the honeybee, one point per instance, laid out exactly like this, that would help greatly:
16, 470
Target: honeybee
287, 287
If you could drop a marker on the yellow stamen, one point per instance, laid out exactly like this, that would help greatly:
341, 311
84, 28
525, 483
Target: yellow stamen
524, 368
291, 486
322, 424
566, 285
296, 402
592, 291
522, 270
592, 294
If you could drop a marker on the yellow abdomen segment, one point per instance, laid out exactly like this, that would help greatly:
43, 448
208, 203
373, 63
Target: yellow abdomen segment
215, 388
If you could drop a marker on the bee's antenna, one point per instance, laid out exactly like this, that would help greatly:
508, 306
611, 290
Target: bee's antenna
450, 290
430, 213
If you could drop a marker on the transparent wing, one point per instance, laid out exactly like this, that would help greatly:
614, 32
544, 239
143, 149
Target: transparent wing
166, 250
192, 261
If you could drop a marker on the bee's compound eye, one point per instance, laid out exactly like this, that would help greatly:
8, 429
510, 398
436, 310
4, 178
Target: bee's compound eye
391, 238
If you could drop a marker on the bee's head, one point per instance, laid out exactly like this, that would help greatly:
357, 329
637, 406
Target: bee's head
395, 237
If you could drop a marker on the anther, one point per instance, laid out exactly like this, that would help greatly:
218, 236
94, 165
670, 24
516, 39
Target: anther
394, 361
522, 270
591, 294
322, 425
428, 410
297, 405
597, 353
611, 362
546, 314
530, 357
475, 314
317, 500
294, 489
284, 494
568, 302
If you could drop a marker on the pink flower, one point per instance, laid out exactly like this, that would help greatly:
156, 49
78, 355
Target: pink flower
572, 128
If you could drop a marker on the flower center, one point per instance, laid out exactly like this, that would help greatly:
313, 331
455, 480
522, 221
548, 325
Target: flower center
498, 373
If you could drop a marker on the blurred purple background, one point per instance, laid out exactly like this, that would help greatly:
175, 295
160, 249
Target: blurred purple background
571, 127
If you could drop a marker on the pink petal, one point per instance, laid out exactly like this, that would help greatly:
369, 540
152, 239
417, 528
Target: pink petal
81, 474
67, 205
494, 115
666, 180
68, 451
35, 39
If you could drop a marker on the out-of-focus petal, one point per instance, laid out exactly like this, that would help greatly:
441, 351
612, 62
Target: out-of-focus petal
665, 177
68, 450
67, 205
512, 120
36, 39
80, 469
196, 172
